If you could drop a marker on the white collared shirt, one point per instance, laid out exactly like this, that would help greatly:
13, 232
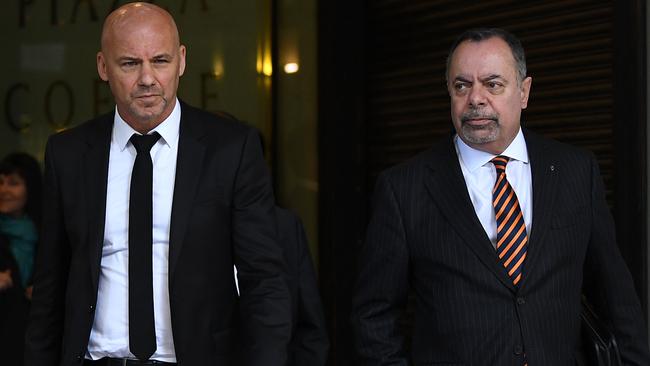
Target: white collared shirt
110, 332
480, 176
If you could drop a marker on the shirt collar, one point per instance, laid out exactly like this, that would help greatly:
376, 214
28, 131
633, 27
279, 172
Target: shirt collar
474, 159
168, 129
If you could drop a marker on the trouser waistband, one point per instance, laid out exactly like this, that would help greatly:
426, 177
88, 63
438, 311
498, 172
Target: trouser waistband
106, 361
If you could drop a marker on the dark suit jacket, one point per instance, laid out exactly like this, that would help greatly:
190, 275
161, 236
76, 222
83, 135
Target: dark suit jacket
222, 214
309, 344
425, 234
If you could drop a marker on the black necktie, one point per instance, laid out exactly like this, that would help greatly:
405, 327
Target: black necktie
142, 332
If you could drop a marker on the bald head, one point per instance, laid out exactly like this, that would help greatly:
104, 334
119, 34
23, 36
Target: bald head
142, 60
136, 14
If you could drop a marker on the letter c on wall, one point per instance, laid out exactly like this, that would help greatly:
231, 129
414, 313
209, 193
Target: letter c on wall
16, 125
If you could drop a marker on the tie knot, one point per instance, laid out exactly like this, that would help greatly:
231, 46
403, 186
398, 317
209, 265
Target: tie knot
143, 143
500, 163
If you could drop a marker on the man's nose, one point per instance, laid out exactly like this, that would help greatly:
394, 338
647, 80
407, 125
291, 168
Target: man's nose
477, 96
146, 75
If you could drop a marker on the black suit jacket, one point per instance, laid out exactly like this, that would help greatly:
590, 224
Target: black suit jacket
425, 234
309, 344
222, 214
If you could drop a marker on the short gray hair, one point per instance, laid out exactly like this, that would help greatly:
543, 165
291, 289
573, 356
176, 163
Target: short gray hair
482, 34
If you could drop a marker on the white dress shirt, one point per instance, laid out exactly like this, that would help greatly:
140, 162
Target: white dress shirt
480, 176
110, 332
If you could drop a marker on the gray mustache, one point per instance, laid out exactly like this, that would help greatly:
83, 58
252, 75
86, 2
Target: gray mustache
478, 115
147, 91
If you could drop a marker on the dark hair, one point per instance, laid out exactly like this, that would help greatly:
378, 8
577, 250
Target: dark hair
30, 170
482, 34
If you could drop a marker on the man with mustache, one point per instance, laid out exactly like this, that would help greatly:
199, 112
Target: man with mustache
498, 232
147, 209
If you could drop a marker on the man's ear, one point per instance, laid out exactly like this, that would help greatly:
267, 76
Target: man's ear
101, 66
525, 91
181, 64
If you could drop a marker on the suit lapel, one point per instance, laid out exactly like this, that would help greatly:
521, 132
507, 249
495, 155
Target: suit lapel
189, 165
447, 187
95, 168
544, 171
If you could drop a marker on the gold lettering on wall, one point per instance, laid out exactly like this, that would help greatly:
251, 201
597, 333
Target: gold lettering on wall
22, 11
206, 78
13, 118
102, 99
65, 122
60, 99
54, 12
91, 10
25, 7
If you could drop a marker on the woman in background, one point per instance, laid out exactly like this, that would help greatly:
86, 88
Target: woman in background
20, 215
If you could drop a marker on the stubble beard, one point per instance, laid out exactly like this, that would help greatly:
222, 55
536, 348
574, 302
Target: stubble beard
147, 113
482, 134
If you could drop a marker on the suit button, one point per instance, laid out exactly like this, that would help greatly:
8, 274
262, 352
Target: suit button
519, 349
521, 301
91, 308
80, 358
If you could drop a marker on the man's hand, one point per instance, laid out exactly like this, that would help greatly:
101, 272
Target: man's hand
5, 280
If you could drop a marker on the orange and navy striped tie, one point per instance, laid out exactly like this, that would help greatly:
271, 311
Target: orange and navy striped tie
512, 239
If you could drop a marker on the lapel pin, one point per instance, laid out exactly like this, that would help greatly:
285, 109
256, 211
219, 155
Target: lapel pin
552, 168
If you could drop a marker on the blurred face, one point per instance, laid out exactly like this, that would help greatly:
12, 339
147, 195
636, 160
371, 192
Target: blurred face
13, 195
486, 95
142, 60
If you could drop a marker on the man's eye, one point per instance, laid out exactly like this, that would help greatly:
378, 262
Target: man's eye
160, 61
129, 63
460, 86
493, 85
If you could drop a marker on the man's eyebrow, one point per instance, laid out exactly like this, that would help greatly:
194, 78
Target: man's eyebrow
462, 78
491, 77
129, 58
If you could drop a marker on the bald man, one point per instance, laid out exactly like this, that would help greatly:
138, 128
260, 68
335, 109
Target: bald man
147, 209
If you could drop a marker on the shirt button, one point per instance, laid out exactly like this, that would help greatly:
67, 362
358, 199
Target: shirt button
521, 301
519, 349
